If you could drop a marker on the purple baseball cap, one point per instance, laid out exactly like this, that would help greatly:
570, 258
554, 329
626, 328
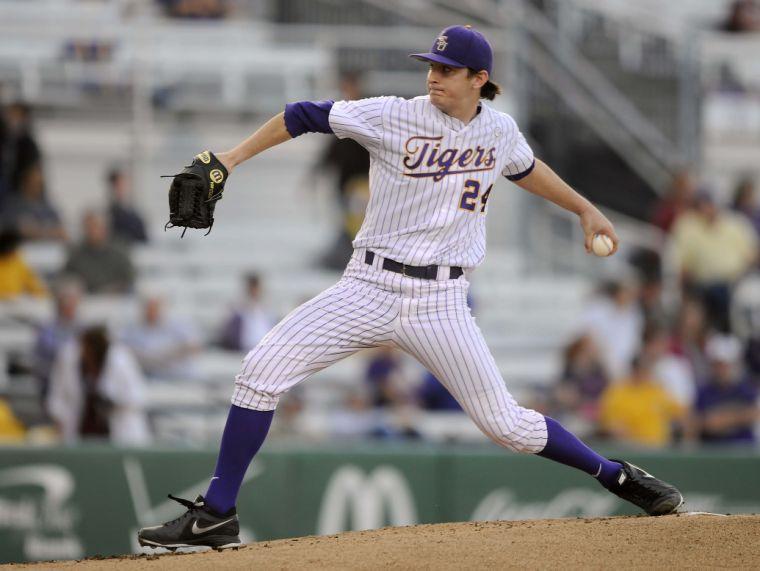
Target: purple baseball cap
460, 46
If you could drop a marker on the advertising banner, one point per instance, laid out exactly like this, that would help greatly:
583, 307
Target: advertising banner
72, 503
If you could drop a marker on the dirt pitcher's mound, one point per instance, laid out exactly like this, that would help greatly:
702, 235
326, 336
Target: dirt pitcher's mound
672, 541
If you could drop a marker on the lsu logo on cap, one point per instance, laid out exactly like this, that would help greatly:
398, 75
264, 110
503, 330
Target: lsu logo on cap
441, 42
216, 175
205, 157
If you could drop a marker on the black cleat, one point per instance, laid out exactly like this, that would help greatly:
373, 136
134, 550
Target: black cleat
652, 495
199, 526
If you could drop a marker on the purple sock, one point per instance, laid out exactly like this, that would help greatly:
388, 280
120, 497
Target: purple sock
244, 434
566, 448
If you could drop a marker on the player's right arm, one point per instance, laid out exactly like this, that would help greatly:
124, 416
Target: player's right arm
544, 182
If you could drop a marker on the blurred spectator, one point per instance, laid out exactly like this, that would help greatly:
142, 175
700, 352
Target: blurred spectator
677, 200
54, 335
390, 394
355, 418
615, 322
16, 277
752, 358
164, 347
11, 428
743, 16
4, 370
745, 308
690, 334
102, 265
344, 156
728, 81
432, 395
715, 248
638, 410
249, 322
745, 202
727, 407
88, 50
745, 319
350, 163
583, 381
127, 224
385, 379
18, 146
97, 391
648, 266
29, 209
673, 372
196, 9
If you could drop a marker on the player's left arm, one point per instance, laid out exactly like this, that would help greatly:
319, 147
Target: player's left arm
544, 182
357, 120
270, 134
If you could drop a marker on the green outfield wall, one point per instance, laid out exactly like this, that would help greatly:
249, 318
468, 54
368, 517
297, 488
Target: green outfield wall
58, 503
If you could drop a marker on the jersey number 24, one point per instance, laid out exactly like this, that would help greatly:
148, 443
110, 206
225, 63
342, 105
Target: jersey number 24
469, 199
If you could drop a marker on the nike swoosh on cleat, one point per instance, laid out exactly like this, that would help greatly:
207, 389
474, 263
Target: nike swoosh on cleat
198, 530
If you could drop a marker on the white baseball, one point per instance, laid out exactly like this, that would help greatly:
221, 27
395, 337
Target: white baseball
602, 245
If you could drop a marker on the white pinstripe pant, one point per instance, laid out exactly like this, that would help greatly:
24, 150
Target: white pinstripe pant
368, 307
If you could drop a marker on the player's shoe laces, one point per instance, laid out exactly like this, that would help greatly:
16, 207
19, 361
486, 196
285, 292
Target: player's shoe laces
198, 526
652, 495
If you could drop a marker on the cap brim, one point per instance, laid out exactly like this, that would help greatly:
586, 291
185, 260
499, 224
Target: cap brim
437, 58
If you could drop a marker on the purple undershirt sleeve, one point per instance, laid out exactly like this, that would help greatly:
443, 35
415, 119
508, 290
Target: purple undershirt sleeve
308, 117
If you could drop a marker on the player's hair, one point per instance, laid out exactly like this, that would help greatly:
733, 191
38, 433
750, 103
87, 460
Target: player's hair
490, 90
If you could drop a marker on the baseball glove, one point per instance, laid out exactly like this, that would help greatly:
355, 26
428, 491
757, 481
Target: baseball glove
194, 192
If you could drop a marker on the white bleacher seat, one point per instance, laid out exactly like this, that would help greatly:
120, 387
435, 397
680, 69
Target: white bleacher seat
16, 337
169, 50
45, 258
26, 309
535, 370
189, 428
112, 310
219, 366
167, 396
447, 427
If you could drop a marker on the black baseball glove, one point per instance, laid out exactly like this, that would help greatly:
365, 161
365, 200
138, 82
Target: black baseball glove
194, 192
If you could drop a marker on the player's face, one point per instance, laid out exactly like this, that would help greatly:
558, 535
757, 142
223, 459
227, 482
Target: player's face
450, 86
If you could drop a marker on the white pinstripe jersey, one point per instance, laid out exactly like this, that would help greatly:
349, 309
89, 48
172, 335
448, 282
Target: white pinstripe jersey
430, 176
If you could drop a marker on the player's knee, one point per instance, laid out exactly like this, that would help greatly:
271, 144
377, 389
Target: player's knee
515, 430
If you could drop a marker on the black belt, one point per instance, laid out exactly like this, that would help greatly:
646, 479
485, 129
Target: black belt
424, 272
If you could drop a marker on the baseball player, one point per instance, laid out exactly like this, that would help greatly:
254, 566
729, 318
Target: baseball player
434, 162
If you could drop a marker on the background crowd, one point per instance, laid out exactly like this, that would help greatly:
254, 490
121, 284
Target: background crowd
91, 380
647, 366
